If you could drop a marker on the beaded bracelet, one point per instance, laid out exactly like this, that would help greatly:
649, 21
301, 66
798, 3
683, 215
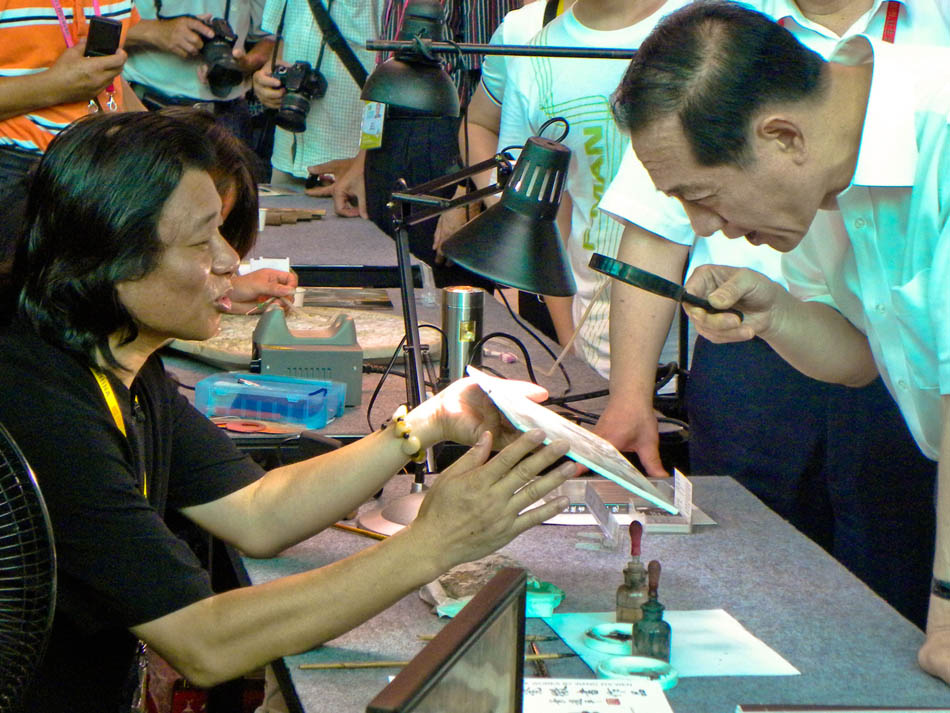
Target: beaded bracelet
940, 588
411, 445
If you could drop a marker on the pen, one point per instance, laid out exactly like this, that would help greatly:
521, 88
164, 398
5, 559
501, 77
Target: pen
359, 531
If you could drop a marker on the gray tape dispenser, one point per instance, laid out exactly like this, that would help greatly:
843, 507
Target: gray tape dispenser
328, 354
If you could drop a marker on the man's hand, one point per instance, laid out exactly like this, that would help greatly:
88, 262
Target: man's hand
751, 292
630, 428
182, 36
248, 63
250, 290
267, 87
328, 173
349, 191
74, 77
934, 655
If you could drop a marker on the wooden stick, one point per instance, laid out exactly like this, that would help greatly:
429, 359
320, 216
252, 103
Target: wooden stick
577, 329
360, 531
540, 667
400, 664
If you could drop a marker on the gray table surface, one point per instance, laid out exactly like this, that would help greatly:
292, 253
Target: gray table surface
850, 646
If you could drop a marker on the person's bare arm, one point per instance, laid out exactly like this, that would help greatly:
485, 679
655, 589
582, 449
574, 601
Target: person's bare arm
561, 309
349, 190
181, 36
71, 78
481, 141
478, 141
472, 509
639, 323
130, 100
814, 338
258, 57
934, 655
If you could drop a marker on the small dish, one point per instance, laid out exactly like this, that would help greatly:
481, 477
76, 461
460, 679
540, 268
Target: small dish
610, 638
641, 667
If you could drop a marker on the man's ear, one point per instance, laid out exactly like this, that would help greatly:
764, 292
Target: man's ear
783, 135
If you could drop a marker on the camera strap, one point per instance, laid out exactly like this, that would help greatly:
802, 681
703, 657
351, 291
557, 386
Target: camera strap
333, 37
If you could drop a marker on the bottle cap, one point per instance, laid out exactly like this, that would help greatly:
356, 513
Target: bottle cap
636, 534
653, 577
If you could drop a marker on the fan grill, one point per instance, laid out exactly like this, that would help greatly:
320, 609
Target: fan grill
27, 574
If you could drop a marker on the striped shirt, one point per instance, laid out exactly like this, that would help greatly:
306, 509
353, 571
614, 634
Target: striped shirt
465, 21
31, 40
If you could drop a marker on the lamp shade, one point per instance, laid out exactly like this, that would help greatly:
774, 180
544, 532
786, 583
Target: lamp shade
516, 242
414, 79
411, 83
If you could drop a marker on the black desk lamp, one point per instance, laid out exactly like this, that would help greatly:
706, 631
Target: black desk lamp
515, 243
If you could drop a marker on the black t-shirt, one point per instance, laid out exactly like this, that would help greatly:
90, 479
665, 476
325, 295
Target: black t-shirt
118, 565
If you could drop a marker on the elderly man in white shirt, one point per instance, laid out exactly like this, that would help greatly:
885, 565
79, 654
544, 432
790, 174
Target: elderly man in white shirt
832, 477
753, 133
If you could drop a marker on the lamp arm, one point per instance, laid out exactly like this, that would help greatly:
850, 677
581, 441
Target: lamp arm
522, 50
421, 194
502, 161
441, 205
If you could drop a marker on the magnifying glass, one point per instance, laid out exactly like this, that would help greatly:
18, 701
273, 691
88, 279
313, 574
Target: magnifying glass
651, 283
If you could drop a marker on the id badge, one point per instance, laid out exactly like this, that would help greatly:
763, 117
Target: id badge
371, 126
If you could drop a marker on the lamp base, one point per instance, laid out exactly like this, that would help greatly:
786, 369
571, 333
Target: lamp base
389, 518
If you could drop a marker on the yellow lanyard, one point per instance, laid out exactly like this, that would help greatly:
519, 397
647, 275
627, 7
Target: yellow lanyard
113, 403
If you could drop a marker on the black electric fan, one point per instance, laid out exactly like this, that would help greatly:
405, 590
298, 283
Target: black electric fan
27, 574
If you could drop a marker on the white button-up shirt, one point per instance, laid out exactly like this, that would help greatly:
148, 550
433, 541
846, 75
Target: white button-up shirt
883, 258
631, 196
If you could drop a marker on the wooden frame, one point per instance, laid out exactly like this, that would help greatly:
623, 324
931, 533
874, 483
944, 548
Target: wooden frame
475, 664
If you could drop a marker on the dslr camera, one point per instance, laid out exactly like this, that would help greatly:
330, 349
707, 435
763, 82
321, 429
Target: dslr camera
302, 83
223, 70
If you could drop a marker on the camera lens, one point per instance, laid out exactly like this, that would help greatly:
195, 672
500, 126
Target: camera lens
223, 70
292, 115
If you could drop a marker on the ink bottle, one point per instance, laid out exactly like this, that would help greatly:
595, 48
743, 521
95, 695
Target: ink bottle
633, 592
652, 635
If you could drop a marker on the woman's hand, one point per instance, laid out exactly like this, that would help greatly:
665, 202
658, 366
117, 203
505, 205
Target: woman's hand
478, 505
462, 412
250, 290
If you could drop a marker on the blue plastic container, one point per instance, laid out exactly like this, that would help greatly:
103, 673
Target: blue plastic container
307, 402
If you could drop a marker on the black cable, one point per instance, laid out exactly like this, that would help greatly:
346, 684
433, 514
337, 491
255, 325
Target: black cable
477, 346
558, 400
389, 370
556, 120
379, 385
579, 415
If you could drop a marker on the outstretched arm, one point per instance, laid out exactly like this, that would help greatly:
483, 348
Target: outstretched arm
934, 655
476, 506
639, 323
71, 78
814, 338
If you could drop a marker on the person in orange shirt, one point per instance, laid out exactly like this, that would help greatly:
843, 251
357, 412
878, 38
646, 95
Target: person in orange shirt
46, 82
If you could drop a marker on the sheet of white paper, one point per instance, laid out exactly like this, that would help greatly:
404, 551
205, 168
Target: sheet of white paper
577, 695
587, 448
706, 642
